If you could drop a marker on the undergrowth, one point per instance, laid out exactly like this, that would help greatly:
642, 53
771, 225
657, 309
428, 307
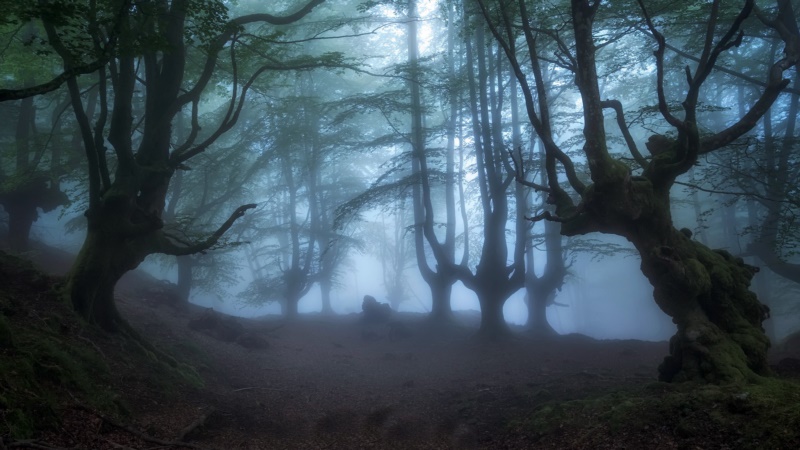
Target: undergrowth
50, 359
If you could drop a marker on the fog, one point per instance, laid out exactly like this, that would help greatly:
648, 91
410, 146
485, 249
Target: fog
389, 152
605, 298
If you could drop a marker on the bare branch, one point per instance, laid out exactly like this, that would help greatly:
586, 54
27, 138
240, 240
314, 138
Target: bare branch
663, 107
170, 248
626, 133
519, 174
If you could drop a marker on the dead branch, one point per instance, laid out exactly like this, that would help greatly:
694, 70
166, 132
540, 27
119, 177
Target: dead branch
93, 345
197, 423
30, 443
258, 388
120, 446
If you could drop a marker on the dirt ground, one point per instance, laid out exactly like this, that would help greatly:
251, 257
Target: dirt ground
335, 383
332, 382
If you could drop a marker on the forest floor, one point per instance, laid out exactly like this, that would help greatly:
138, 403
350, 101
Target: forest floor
332, 382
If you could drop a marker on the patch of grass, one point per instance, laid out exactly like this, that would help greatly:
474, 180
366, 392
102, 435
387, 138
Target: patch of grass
757, 415
167, 372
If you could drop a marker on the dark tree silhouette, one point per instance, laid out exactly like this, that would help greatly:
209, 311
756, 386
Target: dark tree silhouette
127, 199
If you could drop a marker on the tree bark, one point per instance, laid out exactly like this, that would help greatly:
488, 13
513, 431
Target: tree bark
441, 310
21, 216
493, 323
537, 301
325, 287
101, 262
185, 278
720, 338
290, 308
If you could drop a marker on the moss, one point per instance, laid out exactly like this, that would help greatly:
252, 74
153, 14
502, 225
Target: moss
697, 276
42, 365
756, 415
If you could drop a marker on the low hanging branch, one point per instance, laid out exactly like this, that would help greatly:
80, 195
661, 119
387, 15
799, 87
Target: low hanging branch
167, 244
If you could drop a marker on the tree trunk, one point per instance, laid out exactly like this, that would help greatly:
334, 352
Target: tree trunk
325, 291
720, 337
493, 323
102, 261
21, 216
185, 278
537, 300
441, 311
290, 308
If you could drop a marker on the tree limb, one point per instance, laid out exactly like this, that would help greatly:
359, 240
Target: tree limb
232, 28
168, 247
616, 105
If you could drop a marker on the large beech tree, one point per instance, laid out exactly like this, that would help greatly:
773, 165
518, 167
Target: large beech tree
706, 292
144, 85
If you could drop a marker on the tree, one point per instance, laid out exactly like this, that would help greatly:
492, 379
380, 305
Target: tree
33, 168
442, 276
127, 195
497, 274
295, 244
719, 337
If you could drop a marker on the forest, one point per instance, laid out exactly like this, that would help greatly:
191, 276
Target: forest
399, 224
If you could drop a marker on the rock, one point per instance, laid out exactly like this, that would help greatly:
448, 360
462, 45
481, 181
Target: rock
252, 341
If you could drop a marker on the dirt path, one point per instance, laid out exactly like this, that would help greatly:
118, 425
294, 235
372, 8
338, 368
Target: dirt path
332, 383
325, 383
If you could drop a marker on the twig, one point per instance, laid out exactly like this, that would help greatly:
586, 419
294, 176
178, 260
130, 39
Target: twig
32, 444
259, 388
197, 423
120, 446
93, 345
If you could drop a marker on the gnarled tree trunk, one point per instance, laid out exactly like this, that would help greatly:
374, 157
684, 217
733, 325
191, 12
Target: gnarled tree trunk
720, 337
103, 259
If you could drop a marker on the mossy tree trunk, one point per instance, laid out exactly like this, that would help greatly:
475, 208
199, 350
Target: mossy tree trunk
104, 258
720, 336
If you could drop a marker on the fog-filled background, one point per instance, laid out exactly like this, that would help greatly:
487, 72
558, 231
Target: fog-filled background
326, 142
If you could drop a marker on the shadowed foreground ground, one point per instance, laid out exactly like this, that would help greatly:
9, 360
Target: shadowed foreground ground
331, 383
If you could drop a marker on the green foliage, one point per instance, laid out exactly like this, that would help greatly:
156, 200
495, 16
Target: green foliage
207, 20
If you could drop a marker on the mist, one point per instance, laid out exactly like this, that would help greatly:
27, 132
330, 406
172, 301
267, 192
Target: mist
415, 224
